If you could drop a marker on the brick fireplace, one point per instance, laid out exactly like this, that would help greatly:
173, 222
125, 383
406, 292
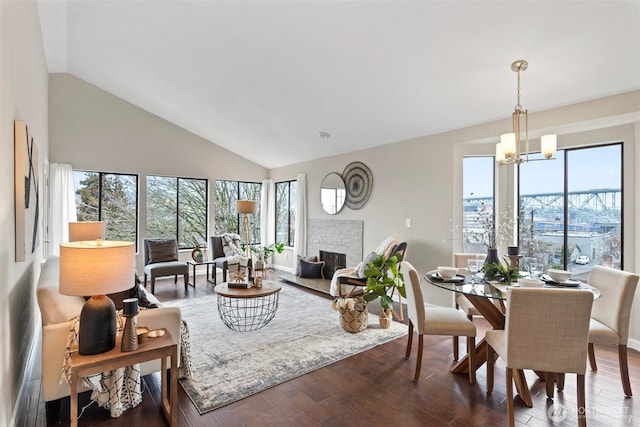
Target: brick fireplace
336, 235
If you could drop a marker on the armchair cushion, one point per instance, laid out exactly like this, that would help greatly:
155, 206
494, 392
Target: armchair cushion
162, 250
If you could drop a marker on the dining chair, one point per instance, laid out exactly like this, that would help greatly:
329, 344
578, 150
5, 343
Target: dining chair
610, 316
546, 330
461, 302
435, 321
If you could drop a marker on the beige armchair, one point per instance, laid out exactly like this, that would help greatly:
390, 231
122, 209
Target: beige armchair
435, 321
546, 330
610, 316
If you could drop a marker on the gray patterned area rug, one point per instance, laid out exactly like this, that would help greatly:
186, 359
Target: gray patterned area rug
303, 336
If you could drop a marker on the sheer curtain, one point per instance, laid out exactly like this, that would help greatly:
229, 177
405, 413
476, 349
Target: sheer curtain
300, 243
62, 204
267, 212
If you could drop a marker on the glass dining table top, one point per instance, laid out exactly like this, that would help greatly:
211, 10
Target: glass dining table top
494, 290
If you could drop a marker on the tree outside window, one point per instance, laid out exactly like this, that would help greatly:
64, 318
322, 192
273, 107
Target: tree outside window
227, 219
286, 212
177, 207
108, 197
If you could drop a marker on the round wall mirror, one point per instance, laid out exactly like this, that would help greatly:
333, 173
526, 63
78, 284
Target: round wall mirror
332, 193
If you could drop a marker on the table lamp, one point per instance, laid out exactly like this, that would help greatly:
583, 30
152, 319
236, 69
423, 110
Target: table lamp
86, 230
91, 268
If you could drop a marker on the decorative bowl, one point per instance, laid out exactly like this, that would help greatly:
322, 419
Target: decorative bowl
447, 272
559, 275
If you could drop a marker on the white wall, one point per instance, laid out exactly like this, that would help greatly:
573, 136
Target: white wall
94, 130
421, 179
23, 96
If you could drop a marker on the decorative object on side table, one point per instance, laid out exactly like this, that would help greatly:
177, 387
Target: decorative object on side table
129, 334
96, 268
383, 278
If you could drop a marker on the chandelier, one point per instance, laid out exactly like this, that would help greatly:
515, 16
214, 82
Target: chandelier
510, 146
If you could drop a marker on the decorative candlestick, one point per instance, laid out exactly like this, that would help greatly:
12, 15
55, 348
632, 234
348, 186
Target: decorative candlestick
129, 334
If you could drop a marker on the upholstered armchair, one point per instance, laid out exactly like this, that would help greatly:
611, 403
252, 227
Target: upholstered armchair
225, 250
161, 259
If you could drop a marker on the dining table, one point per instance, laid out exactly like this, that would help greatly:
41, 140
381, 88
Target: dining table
489, 298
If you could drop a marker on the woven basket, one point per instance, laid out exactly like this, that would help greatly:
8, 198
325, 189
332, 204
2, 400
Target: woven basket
355, 320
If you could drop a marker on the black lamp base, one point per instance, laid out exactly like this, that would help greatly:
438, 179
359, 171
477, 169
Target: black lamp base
97, 326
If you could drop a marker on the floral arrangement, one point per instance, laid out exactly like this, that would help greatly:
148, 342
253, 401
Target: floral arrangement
495, 231
344, 303
264, 252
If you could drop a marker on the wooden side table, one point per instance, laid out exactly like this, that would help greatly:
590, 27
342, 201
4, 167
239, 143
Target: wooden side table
207, 263
153, 348
249, 309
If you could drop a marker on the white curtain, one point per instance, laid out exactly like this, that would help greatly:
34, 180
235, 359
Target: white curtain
300, 244
267, 212
62, 204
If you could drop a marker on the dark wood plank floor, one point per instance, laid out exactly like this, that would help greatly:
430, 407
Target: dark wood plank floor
375, 388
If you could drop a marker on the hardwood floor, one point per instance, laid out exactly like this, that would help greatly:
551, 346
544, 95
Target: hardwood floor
375, 388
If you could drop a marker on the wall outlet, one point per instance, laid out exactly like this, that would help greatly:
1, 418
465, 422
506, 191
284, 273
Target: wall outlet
407, 222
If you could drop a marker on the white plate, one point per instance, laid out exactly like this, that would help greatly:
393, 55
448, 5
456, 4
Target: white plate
567, 283
456, 278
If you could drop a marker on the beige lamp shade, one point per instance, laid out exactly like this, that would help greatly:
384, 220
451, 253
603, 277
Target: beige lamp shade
86, 230
88, 268
247, 207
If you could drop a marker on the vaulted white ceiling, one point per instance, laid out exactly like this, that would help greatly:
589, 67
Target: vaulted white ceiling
263, 78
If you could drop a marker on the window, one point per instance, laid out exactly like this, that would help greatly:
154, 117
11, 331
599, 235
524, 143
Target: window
177, 207
286, 212
570, 209
227, 219
108, 197
478, 201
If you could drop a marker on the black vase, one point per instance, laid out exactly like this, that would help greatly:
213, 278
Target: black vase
492, 256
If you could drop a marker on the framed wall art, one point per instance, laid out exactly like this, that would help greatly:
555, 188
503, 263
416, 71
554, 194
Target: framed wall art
27, 191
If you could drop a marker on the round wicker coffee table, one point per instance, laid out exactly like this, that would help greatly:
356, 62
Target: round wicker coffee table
247, 309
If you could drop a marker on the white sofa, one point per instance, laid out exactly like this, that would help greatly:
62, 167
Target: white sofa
57, 310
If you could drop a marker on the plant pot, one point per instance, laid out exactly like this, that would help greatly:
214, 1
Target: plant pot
385, 317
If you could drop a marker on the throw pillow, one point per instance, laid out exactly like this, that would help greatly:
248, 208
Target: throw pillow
162, 250
311, 270
309, 259
364, 264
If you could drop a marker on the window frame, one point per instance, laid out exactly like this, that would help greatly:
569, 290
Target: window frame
291, 234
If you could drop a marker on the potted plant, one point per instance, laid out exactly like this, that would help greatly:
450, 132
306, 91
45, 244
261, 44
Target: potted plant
383, 278
263, 253
501, 272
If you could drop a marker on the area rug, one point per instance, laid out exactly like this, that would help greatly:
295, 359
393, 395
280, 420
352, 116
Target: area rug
303, 336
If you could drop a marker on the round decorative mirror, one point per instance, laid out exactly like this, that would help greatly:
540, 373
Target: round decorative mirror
332, 193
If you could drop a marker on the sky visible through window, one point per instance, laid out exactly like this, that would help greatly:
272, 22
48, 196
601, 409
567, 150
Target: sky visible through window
479, 183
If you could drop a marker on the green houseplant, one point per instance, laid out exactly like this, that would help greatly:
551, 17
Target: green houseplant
383, 278
501, 272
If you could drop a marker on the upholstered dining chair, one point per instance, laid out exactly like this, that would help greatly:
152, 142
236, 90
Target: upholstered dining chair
161, 259
545, 330
434, 321
461, 302
610, 316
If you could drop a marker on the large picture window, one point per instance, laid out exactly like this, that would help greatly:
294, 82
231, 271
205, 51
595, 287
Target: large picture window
108, 197
478, 201
177, 207
570, 209
227, 219
286, 212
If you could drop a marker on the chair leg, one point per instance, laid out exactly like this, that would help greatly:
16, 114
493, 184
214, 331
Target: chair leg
416, 377
409, 341
153, 284
145, 280
175, 278
592, 357
456, 348
186, 281
560, 381
471, 350
582, 413
510, 410
549, 382
490, 361
624, 369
